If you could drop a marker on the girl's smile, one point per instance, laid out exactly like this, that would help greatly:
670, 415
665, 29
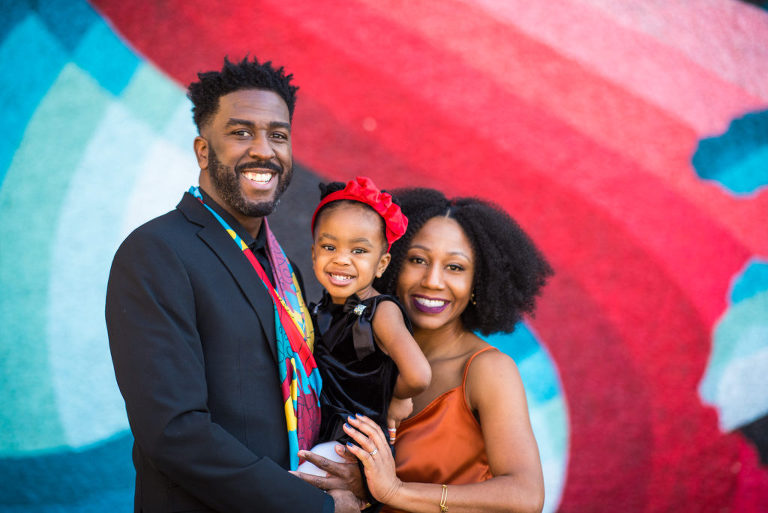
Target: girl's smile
349, 250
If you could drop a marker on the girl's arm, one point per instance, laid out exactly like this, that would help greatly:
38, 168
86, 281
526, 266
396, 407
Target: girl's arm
395, 339
496, 393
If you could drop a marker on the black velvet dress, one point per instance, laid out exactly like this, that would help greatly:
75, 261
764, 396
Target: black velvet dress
358, 377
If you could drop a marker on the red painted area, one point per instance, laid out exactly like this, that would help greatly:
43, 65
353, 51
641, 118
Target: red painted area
599, 175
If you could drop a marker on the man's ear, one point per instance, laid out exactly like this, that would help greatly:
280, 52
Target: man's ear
201, 152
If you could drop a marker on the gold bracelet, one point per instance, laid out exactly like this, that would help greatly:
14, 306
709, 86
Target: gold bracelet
444, 499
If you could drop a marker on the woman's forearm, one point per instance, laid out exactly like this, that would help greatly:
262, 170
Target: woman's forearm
499, 494
519, 490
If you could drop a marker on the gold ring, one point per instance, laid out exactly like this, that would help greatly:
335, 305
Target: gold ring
373, 452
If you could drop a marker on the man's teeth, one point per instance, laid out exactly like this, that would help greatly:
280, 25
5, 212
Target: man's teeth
343, 277
258, 177
430, 303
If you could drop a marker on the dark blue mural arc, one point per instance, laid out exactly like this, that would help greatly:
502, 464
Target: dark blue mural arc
759, 3
94, 473
735, 159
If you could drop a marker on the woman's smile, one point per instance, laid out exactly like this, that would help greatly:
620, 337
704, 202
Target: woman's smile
429, 305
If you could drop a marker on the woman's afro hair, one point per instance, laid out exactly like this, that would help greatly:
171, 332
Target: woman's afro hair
212, 85
509, 270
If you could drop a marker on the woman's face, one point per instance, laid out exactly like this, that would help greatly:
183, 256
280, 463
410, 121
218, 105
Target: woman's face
435, 281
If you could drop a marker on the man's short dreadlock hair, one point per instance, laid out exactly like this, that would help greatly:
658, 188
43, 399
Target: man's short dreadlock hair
509, 270
212, 85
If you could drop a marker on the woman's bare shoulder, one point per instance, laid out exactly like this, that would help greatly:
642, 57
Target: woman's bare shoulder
492, 370
494, 364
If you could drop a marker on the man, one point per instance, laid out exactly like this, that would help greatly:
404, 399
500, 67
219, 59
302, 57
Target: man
207, 324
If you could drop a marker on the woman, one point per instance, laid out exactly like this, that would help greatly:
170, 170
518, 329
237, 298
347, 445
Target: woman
463, 266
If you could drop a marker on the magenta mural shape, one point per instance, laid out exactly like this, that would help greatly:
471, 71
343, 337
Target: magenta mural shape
611, 130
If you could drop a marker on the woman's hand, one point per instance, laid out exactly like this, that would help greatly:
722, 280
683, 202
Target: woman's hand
376, 457
399, 409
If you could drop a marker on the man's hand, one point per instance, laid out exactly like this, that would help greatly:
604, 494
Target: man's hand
344, 501
341, 476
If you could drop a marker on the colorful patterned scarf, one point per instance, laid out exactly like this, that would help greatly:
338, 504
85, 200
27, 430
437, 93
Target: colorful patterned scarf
299, 377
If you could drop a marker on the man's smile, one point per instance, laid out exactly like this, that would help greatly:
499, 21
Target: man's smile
259, 177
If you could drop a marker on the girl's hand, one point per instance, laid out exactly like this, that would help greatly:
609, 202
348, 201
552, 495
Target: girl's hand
375, 455
399, 409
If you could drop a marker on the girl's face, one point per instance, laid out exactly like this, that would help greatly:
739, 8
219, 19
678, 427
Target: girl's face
349, 250
435, 281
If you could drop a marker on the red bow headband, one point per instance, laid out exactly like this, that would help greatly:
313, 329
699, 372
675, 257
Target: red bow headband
363, 189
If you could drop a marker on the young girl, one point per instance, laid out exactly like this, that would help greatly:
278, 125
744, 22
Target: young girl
369, 362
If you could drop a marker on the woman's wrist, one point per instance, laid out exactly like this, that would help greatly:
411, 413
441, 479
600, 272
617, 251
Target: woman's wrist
393, 493
426, 497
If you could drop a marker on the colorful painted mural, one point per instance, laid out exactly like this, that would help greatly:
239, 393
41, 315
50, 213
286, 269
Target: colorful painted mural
629, 138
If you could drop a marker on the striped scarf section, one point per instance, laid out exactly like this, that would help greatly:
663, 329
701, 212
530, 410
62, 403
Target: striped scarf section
299, 376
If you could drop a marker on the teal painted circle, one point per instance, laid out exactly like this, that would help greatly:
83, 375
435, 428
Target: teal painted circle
86, 189
546, 404
70, 191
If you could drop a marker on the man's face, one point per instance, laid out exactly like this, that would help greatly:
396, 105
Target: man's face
244, 152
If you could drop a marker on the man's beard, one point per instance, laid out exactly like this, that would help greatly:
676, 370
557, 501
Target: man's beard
227, 184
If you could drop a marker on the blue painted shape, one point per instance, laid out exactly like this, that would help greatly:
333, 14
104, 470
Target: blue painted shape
763, 4
736, 367
540, 382
89, 406
32, 59
70, 477
751, 282
536, 368
13, 13
155, 99
59, 132
737, 159
735, 374
546, 404
519, 344
68, 20
96, 502
102, 54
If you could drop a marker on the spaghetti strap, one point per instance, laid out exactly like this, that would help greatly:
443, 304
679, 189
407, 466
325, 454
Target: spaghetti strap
466, 365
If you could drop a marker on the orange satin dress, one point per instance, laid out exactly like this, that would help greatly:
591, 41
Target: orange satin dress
443, 443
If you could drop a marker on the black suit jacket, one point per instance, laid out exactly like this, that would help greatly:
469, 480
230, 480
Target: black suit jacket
191, 330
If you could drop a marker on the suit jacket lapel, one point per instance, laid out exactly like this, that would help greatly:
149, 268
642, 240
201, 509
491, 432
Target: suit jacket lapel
233, 259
